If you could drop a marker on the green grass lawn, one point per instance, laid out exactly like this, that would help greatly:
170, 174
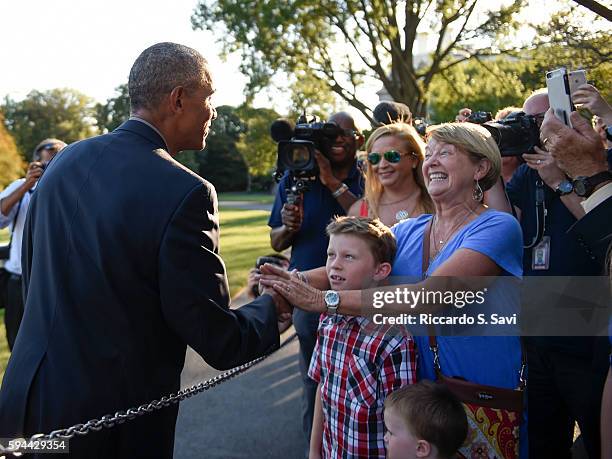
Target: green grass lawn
244, 237
4, 236
257, 198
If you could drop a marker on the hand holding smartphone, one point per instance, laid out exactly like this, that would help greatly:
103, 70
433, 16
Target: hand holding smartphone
560, 86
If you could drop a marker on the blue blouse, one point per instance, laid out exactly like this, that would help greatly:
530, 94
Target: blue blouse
491, 360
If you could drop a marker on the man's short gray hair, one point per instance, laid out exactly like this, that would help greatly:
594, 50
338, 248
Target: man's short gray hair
161, 68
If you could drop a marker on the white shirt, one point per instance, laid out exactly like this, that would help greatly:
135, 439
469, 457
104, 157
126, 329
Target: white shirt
13, 264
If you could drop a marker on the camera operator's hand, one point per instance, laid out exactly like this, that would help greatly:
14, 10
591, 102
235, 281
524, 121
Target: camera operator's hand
326, 176
463, 115
35, 170
548, 170
291, 216
589, 97
577, 151
253, 282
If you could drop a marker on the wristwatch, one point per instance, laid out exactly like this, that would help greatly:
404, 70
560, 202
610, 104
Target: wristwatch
564, 188
332, 301
584, 186
341, 189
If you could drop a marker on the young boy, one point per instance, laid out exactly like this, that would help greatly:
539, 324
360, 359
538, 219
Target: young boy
424, 420
356, 363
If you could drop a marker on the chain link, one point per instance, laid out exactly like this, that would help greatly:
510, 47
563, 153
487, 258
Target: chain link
107, 421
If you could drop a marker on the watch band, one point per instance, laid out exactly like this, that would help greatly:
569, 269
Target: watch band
584, 186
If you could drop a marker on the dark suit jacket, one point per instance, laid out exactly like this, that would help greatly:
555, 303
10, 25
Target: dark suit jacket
594, 232
121, 271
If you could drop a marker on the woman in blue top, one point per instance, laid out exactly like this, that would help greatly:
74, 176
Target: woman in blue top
467, 239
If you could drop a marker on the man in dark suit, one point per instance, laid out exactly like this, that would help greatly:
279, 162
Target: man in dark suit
121, 272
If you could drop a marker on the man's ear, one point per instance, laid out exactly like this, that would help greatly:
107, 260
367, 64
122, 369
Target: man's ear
383, 270
423, 449
177, 96
359, 140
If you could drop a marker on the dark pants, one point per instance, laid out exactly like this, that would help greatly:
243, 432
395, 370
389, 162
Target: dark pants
14, 309
563, 389
306, 324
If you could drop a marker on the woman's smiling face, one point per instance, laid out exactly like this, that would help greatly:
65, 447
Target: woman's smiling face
390, 174
448, 170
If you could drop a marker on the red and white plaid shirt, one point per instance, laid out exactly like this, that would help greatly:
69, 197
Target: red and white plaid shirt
358, 364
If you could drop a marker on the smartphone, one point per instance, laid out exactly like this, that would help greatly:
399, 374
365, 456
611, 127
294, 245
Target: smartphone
559, 94
576, 79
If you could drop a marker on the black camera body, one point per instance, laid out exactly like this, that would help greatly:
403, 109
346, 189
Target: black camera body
480, 117
516, 134
296, 154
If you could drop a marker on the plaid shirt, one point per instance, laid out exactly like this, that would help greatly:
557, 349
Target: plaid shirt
358, 364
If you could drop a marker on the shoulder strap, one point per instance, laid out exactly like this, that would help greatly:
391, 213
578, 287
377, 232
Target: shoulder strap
14, 224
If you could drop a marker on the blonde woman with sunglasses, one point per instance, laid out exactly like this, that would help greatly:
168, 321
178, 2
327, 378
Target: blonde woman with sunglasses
394, 189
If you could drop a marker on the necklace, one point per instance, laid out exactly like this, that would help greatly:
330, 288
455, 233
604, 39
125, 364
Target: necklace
401, 214
394, 202
446, 238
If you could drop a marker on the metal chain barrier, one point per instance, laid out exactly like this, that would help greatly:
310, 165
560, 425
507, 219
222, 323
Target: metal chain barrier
110, 420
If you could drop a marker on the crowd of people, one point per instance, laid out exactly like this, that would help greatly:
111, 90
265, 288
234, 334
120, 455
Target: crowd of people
94, 258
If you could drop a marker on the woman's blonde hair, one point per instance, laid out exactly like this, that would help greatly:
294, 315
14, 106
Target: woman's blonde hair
373, 187
477, 141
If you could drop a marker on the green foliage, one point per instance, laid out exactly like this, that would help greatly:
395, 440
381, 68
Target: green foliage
115, 111
221, 162
480, 85
11, 164
342, 45
62, 113
255, 144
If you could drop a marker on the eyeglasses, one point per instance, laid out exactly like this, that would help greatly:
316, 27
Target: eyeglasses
392, 156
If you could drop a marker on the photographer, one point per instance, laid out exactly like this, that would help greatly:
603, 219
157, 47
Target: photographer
566, 374
301, 226
14, 202
252, 288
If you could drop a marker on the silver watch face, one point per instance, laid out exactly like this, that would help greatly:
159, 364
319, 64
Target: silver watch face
332, 299
565, 187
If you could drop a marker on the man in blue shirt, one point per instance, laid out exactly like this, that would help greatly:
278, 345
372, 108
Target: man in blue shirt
566, 374
302, 227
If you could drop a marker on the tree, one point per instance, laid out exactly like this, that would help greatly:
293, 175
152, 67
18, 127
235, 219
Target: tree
221, 163
482, 86
11, 164
62, 113
115, 111
255, 144
343, 44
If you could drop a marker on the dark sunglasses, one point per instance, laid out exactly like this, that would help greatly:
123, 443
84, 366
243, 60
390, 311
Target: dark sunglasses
392, 156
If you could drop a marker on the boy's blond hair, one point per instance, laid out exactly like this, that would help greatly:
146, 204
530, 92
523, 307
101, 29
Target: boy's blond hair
376, 234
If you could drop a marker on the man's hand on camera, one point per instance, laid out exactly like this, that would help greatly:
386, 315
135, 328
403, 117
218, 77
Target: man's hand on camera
548, 170
463, 115
291, 216
326, 175
35, 170
577, 151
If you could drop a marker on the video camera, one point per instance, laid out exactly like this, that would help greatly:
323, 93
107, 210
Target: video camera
297, 145
516, 134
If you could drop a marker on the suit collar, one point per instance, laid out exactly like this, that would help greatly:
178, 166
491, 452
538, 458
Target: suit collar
145, 130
